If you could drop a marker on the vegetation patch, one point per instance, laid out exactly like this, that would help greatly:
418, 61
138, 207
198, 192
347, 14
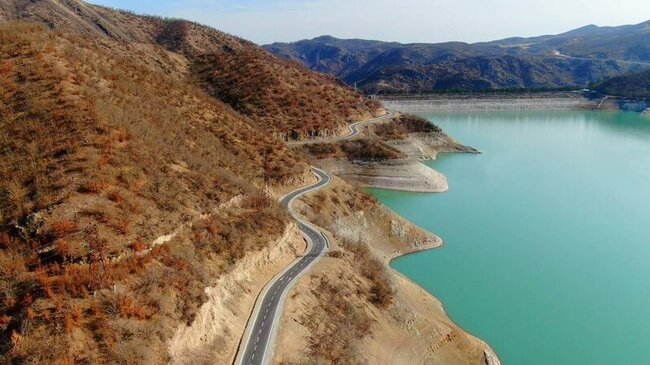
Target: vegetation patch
338, 325
400, 128
635, 85
361, 149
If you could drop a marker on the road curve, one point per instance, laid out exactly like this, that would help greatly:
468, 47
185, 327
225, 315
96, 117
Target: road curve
354, 127
353, 131
256, 347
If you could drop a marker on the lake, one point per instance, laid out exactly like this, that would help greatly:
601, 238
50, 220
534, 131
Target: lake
547, 235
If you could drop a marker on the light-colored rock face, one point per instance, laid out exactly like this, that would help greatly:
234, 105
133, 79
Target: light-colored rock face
426, 146
404, 175
491, 358
485, 103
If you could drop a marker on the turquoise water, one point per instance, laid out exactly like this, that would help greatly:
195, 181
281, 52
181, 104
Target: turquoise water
547, 234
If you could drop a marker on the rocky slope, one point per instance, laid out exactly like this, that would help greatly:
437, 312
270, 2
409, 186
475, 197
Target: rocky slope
124, 191
138, 154
575, 58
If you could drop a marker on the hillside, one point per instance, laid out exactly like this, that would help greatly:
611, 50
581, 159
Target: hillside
635, 85
625, 43
275, 93
575, 58
137, 158
103, 155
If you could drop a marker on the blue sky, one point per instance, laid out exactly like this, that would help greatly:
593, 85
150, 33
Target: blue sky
265, 21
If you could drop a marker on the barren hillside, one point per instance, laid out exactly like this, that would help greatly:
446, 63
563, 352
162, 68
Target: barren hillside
280, 95
103, 155
136, 152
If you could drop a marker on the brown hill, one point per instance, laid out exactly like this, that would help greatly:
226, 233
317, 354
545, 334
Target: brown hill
280, 95
135, 155
104, 149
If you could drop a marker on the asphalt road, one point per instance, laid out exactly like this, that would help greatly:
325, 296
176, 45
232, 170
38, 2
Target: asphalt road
257, 344
354, 127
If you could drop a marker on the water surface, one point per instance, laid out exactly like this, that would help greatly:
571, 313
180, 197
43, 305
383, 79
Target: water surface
547, 235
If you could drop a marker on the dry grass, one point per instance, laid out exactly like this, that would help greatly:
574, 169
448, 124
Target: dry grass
291, 101
336, 326
368, 149
116, 129
342, 203
400, 128
381, 292
362, 149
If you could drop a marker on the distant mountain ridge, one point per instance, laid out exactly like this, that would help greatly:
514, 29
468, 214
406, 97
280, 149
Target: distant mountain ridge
575, 58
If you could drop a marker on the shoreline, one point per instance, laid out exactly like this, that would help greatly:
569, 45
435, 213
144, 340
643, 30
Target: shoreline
444, 274
491, 356
493, 103
526, 101
389, 236
407, 173
415, 328
398, 175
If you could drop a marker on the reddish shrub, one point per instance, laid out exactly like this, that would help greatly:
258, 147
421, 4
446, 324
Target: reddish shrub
93, 187
63, 228
130, 307
138, 245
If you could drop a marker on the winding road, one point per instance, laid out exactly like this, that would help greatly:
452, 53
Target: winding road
353, 131
256, 347
354, 127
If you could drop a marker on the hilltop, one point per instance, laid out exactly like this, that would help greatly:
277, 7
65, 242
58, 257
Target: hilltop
574, 58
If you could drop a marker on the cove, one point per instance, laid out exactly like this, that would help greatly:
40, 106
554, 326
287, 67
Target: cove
547, 235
